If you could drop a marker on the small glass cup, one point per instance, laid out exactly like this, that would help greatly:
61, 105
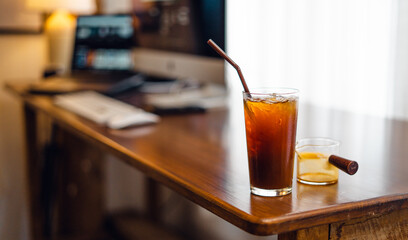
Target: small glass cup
270, 123
313, 165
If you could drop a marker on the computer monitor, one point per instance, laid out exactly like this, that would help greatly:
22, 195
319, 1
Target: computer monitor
103, 44
171, 36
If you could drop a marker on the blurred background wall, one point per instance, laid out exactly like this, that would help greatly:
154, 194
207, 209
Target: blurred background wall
22, 59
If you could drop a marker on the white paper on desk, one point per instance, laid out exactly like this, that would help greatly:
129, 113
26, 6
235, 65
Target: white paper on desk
209, 97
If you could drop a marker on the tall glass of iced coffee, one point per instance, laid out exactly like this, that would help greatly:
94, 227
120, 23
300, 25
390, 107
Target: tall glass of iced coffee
270, 122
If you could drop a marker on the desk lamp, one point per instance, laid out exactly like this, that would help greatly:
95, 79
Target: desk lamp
59, 27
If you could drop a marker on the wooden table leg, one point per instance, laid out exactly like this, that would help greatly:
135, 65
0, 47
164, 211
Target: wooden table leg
79, 201
315, 233
33, 170
152, 193
65, 183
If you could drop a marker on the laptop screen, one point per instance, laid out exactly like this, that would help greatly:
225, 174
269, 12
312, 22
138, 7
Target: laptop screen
103, 43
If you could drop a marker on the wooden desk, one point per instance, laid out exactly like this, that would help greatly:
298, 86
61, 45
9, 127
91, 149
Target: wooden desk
203, 157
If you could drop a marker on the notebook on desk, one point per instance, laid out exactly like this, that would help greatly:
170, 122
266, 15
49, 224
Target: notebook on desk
102, 55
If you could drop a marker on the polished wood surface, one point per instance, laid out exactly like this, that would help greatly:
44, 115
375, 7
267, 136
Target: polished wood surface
203, 157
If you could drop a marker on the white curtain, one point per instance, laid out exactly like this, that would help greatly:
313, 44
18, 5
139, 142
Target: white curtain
346, 54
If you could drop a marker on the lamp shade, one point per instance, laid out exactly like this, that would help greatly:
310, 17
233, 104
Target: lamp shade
73, 6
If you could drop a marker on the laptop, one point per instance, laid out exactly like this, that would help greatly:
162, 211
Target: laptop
102, 53
103, 46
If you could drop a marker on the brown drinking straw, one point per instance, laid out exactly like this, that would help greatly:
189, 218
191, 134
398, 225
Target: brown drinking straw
228, 59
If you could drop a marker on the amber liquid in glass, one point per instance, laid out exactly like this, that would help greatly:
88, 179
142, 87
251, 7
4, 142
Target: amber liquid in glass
271, 135
314, 168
